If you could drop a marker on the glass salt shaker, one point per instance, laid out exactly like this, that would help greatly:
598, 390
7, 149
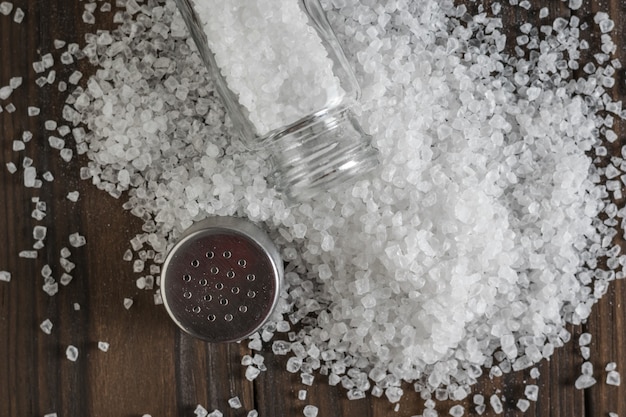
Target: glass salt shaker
287, 86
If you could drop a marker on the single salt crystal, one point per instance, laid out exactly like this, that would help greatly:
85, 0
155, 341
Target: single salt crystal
75, 77
33, 111
234, 402
66, 154
128, 302
612, 414
48, 176
5, 92
11, 167
28, 254
584, 382
39, 232
523, 405
50, 415
18, 16
587, 368
46, 326
496, 404
457, 411
77, 240
534, 373
30, 175
58, 43
584, 339
307, 379
18, 145
73, 196
585, 352
253, 413
252, 372
200, 411
575, 4
302, 394
71, 353
76, 306
10, 108
214, 413
47, 60
613, 378
88, 17
310, 411
611, 366
293, 364
531, 392
6, 7
65, 279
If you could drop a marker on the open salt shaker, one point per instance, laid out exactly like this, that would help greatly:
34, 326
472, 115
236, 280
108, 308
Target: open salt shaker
221, 280
287, 86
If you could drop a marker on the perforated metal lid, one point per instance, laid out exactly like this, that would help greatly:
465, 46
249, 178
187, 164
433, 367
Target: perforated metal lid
221, 280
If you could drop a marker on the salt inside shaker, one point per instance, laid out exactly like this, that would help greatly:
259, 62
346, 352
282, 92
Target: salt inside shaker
288, 88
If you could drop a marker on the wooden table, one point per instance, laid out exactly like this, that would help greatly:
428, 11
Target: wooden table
151, 367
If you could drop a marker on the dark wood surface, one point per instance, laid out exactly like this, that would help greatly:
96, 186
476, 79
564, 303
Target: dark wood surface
151, 368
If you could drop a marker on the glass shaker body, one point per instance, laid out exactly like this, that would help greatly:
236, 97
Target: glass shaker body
287, 86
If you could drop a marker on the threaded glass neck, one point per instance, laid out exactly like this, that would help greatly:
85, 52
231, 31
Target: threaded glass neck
322, 151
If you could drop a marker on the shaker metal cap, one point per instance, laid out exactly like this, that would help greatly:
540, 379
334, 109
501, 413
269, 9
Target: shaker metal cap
220, 282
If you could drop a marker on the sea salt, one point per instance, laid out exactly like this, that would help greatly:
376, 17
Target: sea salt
310, 411
438, 235
613, 378
6, 7
18, 15
278, 91
71, 353
46, 326
77, 240
235, 403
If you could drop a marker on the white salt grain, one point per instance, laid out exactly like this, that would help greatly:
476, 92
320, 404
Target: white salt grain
77, 240
11, 167
5, 276
310, 411
46, 326
584, 382
456, 411
18, 16
73, 196
128, 303
253, 413
71, 353
523, 405
200, 411
6, 8
235, 403
613, 378
531, 392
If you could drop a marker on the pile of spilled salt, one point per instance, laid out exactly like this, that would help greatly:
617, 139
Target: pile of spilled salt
473, 246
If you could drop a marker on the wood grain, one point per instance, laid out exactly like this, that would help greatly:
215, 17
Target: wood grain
151, 367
